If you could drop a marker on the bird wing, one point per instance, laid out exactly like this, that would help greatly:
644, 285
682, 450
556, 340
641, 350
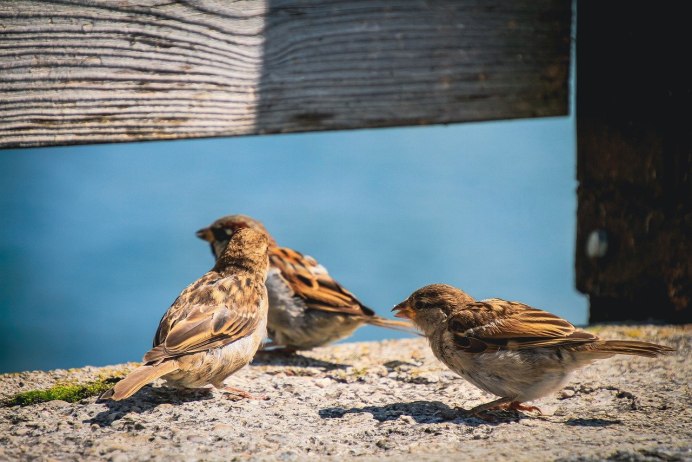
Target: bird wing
212, 312
311, 282
497, 324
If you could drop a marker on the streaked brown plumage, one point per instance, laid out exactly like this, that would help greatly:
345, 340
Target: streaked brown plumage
307, 307
214, 327
509, 349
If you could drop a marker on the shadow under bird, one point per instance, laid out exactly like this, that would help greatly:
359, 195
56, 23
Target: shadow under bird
214, 327
307, 307
509, 349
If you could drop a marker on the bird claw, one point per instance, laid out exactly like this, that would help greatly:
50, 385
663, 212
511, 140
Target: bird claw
517, 406
483, 411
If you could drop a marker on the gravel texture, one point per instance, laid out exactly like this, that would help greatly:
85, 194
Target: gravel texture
367, 401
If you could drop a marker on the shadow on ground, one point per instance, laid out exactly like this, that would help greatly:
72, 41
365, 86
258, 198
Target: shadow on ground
592, 422
279, 358
421, 412
145, 400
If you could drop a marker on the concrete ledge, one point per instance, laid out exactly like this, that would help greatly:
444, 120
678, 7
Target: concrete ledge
367, 401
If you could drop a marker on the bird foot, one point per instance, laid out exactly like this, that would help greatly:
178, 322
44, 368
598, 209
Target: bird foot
517, 406
503, 404
236, 394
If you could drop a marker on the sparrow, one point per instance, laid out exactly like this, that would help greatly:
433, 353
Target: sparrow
214, 327
509, 349
307, 307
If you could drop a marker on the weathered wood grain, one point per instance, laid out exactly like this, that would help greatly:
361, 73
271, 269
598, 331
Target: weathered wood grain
87, 71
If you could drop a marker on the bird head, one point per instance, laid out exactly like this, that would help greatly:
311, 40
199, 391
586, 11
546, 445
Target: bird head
247, 248
430, 306
219, 233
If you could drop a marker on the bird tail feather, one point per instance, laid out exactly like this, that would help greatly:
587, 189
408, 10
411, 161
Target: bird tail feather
401, 326
632, 347
138, 378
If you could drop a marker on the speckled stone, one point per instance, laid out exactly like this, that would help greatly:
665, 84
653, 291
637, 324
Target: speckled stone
367, 401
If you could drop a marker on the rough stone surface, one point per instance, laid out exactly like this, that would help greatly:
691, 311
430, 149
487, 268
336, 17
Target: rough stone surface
367, 401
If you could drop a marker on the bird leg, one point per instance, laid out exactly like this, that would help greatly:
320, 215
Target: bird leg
480, 411
502, 403
236, 394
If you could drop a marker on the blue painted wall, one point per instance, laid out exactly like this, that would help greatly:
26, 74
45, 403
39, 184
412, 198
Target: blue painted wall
97, 241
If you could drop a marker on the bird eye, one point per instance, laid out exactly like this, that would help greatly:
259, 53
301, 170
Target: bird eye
221, 234
424, 305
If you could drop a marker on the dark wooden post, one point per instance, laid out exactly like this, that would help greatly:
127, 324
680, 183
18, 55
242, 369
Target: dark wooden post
633, 252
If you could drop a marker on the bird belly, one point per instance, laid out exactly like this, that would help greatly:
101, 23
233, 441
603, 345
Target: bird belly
522, 375
216, 365
292, 324
312, 329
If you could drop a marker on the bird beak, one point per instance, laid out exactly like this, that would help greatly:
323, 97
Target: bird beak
404, 311
205, 234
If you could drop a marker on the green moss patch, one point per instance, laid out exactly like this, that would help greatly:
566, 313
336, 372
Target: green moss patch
70, 392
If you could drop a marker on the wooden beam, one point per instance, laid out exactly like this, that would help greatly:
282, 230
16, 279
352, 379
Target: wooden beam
92, 71
634, 220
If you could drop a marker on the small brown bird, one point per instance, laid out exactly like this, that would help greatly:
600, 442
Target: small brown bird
509, 349
214, 327
307, 307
